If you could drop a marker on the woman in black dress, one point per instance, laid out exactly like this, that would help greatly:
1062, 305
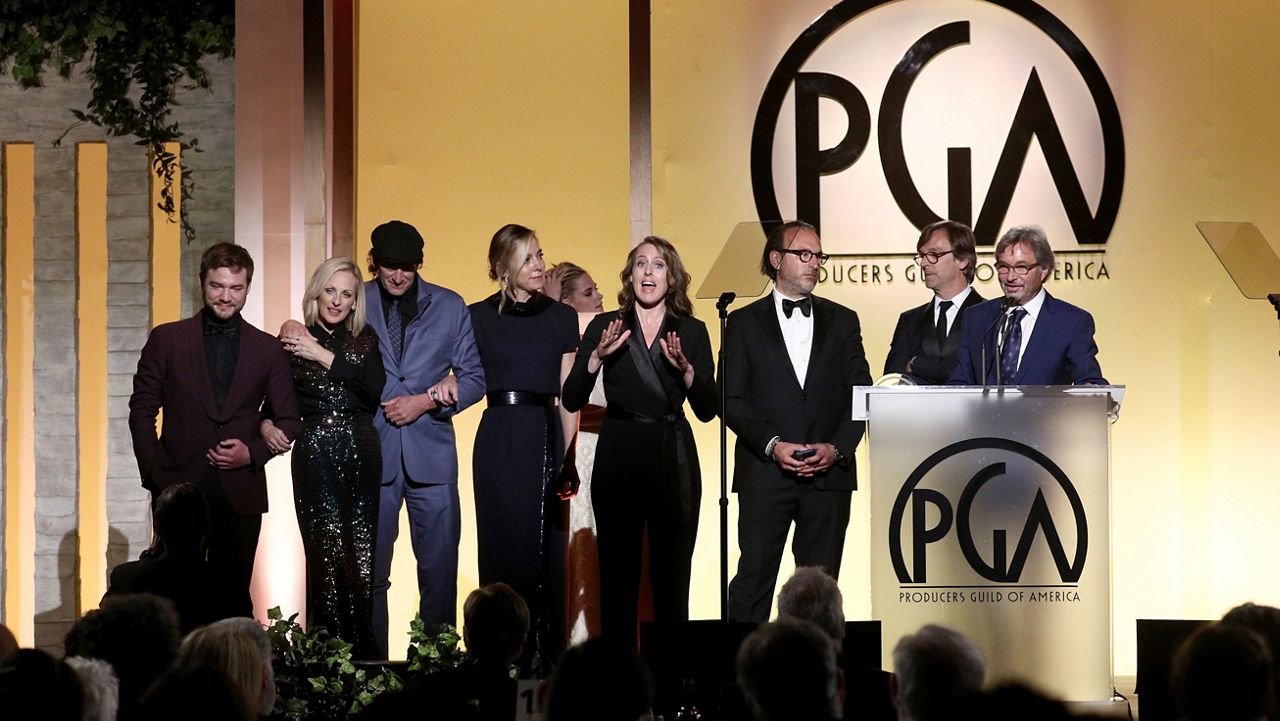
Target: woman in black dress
655, 354
337, 461
526, 343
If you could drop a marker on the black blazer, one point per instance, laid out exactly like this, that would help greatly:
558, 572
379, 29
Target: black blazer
763, 397
915, 342
624, 383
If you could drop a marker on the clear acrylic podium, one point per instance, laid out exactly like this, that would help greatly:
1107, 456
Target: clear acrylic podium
991, 514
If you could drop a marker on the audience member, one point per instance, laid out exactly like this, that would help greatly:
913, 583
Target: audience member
198, 693
201, 592
137, 634
1264, 621
8, 644
601, 679
935, 669
1007, 702
495, 625
100, 686
812, 595
232, 652
1223, 672
254, 630
787, 670
34, 685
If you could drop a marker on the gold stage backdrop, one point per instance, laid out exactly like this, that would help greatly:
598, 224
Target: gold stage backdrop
472, 115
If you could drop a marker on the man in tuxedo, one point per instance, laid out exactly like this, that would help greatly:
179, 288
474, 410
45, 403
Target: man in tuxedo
925, 341
791, 360
1028, 337
424, 332
211, 374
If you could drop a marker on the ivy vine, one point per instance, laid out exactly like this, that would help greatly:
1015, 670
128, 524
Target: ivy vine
138, 52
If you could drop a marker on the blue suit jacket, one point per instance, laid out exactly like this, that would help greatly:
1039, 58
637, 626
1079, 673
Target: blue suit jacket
1060, 352
437, 340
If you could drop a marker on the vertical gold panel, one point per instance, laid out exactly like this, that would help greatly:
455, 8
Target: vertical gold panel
166, 249
19, 351
91, 373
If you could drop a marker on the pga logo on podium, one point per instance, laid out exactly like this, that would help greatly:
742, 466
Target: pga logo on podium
997, 517
959, 90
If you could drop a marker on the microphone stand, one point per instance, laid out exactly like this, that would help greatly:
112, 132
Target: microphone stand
722, 309
1005, 304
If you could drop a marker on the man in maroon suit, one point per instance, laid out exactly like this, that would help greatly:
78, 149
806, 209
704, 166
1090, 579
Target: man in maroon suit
211, 374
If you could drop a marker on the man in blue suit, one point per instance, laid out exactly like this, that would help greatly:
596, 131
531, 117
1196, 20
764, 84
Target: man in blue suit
1028, 337
424, 333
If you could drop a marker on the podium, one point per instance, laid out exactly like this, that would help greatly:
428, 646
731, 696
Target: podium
991, 514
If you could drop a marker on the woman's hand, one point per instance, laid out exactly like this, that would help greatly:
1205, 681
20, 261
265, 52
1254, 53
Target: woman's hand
305, 346
551, 283
675, 356
610, 340
276, 440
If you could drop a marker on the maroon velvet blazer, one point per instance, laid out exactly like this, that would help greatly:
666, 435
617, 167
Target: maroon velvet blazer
172, 375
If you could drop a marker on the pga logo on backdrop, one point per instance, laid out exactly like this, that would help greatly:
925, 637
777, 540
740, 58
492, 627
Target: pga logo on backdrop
883, 117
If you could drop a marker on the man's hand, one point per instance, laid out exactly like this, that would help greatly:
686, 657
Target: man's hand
276, 440
229, 455
817, 463
403, 410
445, 393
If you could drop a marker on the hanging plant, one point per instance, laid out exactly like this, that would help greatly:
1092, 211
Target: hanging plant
138, 52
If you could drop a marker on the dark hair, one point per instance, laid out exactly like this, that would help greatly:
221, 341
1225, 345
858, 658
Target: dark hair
495, 622
788, 669
781, 237
601, 679
182, 517
677, 299
136, 633
226, 255
963, 244
36, 685
1222, 671
1031, 236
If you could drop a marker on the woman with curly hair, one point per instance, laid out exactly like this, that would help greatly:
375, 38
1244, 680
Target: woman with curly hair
655, 355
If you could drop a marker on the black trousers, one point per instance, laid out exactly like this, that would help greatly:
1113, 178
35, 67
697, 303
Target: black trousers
233, 540
645, 481
765, 516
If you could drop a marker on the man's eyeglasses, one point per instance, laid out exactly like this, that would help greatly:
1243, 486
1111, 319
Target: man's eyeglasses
931, 256
1018, 270
807, 255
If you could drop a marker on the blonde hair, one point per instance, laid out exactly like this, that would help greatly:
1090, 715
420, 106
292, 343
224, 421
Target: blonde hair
315, 286
230, 651
507, 251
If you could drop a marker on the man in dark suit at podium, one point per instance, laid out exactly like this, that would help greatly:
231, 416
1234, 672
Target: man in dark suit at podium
791, 360
1028, 337
925, 341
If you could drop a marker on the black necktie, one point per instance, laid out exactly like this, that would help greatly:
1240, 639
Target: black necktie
943, 307
804, 304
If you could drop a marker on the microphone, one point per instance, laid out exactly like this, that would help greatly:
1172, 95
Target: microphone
1006, 303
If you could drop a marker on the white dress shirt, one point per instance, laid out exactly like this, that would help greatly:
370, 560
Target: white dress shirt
797, 333
954, 311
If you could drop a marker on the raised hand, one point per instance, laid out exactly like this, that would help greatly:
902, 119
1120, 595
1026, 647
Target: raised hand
610, 340
671, 350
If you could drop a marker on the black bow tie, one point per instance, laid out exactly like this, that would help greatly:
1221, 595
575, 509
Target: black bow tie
804, 304
221, 328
